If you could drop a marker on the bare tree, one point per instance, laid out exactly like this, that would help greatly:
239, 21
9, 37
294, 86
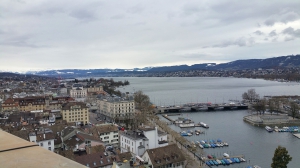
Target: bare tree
294, 109
142, 104
260, 106
250, 95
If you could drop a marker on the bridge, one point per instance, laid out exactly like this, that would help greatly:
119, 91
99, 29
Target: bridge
200, 107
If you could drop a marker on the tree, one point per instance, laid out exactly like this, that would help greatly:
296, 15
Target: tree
294, 109
271, 104
142, 104
260, 106
281, 158
250, 95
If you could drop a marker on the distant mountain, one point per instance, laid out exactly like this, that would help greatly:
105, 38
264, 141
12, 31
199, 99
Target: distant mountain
275, 62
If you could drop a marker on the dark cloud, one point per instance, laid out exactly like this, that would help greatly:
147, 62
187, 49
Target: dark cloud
258, 32
283, 17
83, 14
241, 42
273, 33
292, 33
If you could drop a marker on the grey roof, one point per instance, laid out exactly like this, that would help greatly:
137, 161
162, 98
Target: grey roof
133, 134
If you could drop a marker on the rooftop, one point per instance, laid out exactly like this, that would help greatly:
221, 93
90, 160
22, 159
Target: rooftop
13, 149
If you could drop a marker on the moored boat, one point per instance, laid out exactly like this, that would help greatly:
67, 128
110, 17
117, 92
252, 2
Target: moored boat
186, 125
226, 155
269, 129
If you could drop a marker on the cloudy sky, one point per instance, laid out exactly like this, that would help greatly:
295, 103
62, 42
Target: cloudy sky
63, 34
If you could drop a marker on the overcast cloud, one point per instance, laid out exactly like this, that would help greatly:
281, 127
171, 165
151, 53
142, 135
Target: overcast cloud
38, 34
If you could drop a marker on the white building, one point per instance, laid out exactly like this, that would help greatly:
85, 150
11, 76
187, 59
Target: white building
45, 140
77, 91
142, 139
116, 108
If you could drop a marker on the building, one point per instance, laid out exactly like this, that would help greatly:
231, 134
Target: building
108, 133
116, 108
96, 160
77, 91
76, 112
17, 152
34, 103
167, 156
44, 140
140, 140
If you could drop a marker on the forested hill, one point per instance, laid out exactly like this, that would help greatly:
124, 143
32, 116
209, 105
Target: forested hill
276, 62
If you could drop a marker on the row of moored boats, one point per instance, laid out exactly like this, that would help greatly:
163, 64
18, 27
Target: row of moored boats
210, 144
283, 129
211, 160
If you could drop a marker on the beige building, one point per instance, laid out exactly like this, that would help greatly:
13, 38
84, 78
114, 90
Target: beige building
77, 91
75, 112
35, 103
115, 108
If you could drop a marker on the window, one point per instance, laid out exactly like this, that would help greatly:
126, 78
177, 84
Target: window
41, 144
49, 148
49, 142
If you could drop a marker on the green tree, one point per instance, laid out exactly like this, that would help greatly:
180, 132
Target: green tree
281, 158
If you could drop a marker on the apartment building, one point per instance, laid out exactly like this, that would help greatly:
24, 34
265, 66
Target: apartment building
116, 108
44, 140
138, 141
108, 133
76, 112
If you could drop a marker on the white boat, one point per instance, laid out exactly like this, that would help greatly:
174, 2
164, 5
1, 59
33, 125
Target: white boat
186, 125
204, 125
242, 159
200, 146
219, 162
229, 161
226, 155
225, 144
269, 129
197, 142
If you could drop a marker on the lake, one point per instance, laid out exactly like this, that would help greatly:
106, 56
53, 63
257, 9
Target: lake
255, 143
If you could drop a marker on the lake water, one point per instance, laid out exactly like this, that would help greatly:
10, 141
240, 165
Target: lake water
255, 143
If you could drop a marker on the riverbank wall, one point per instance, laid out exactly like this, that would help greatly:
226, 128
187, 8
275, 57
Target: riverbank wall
278, 120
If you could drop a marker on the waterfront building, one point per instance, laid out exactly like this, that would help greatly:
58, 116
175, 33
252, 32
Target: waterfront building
76, 112
138, 141
116, 108
167, 156
78, 91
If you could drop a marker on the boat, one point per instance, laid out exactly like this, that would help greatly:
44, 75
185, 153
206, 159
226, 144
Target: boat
229, 161
242, 159
256, 166
183, 133
215, 162
208, 163
226, 161
233, 160
225, 144
226, 155
202, 124
269, 129
209, 157
237, 160
219, 162
187, 125
200, 146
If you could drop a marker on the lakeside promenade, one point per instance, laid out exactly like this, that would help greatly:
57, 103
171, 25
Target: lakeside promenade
174, 137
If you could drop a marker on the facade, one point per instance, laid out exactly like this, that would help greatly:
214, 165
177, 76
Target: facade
139, 141
44, 140
167, 156
76, 112
107, 133
34, 103
98, 88
77, 91
116, 108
